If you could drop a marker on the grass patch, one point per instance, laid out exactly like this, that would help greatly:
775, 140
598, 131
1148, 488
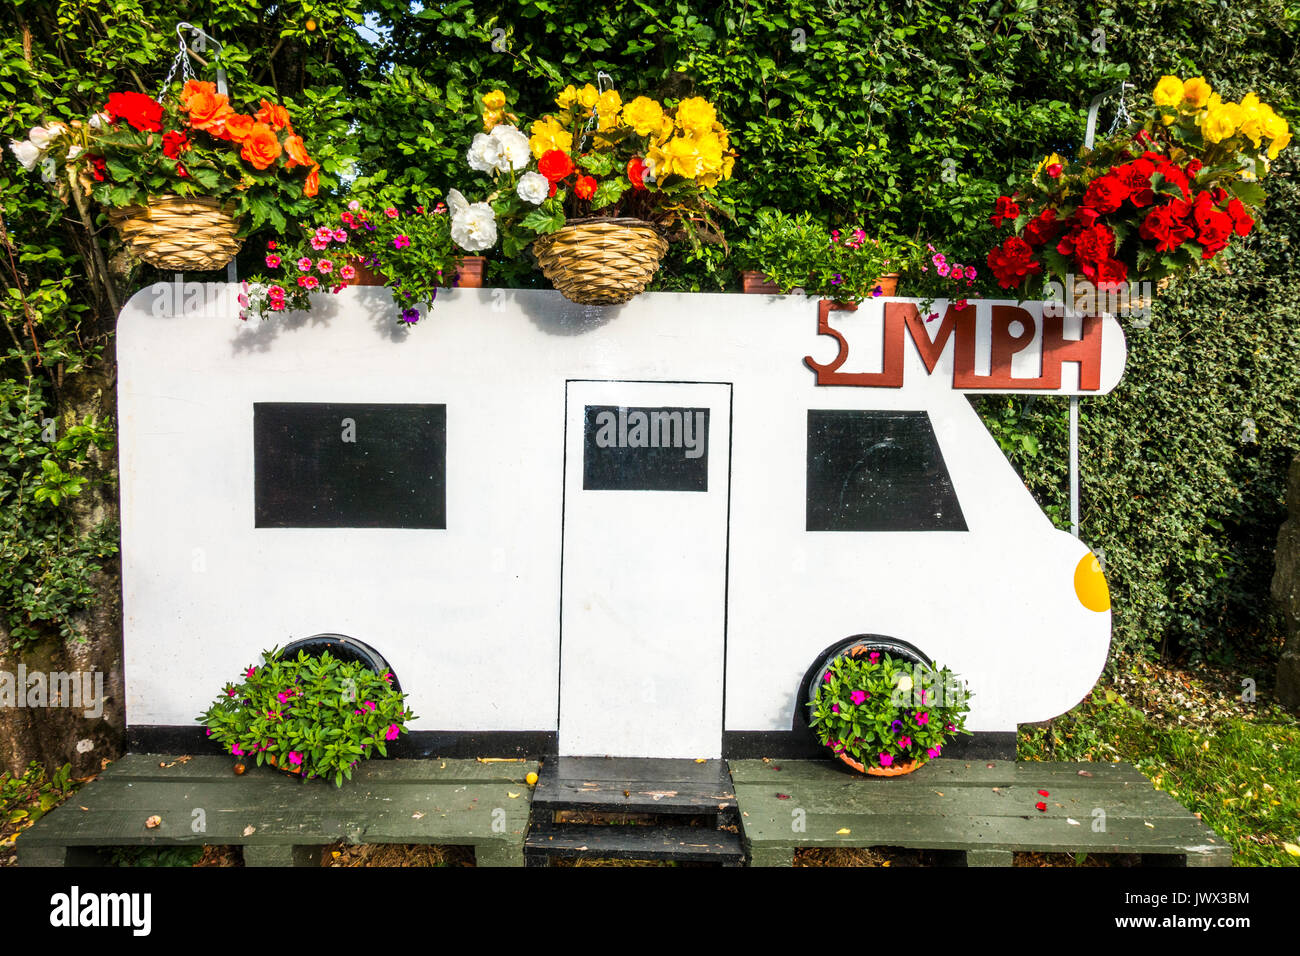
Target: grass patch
1240, 773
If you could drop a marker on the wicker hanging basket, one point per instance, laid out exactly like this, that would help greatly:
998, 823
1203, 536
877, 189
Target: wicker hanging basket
601, 261
183, 234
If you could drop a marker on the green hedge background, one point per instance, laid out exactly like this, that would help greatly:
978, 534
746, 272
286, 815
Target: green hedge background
908, 113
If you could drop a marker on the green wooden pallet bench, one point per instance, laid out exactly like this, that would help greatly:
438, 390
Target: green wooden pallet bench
282, 821
984, 809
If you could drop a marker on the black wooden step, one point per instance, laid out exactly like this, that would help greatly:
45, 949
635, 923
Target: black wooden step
686, 844
634, 785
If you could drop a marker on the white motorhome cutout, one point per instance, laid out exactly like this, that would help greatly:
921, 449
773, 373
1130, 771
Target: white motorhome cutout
632, 528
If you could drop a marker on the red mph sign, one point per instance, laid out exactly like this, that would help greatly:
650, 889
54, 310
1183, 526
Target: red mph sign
989, 346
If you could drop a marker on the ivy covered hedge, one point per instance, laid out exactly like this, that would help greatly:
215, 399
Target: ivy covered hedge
908, 113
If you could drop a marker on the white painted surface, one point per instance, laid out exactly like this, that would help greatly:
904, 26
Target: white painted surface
642, 629
469, 617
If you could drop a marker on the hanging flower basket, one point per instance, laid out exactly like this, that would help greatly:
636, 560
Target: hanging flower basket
601, 261
186, 235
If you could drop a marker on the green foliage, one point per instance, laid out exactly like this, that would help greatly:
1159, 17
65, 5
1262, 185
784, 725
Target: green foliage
153, 855
45, 566
1241, 776
883, 710
24, 799
313, 715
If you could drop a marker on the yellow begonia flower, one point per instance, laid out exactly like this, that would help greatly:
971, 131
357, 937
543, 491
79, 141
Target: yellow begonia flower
683, 157
1196, 92
1221, 122
548, 135
696, 114
1279, 144
567, 97
1169, 91
493, 118
587, 97
656, 161
709, 149
608, 105
644, 115
496, 100
1252, 118
665, 129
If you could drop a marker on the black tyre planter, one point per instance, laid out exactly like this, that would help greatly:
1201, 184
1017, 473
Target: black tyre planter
876, 642
342, 648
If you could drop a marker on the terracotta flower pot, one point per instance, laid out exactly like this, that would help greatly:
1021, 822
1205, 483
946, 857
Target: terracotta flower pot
469, 272
755, 283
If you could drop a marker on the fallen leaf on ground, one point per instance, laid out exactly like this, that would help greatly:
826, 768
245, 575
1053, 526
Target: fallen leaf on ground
512, 796
153, 822
417, 815
249, 830
843, 831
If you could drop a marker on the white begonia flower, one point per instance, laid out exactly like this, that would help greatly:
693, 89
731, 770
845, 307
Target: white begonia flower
456, 203
100, 120
482, 153
28, 153
74, 151
533, 188
475, 227
511, 148
42, 136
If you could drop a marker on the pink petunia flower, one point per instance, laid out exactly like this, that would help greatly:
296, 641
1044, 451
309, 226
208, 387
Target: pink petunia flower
401, 242
347, 273
250, 672
390, 212
318, 243
354, 205
237, 750
273, 262
904, 742
340, 235
325, 266
835, 708
393, 731
922, 718
933, 752
304, 264
310, 282
295, 758
886, 760
858, 696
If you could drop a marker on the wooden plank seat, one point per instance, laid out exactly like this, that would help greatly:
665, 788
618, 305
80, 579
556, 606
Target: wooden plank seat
985, 809
282, 821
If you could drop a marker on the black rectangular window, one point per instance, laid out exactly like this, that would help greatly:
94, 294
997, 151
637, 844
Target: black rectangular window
645, 449
349, 466
877, 471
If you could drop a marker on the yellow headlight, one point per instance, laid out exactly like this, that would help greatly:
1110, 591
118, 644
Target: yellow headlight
1090, 584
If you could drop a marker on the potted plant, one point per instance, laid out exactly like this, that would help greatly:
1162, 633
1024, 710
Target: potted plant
928, 273
795, 252
410, 251
185, 177
883, 714
316, 716
1163, 196
599, 188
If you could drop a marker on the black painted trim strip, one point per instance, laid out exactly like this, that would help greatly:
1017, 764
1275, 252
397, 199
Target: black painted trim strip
156, 738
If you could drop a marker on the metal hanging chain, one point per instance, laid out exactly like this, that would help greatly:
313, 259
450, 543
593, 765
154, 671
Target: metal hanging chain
1122, 117
182, 59
604, 83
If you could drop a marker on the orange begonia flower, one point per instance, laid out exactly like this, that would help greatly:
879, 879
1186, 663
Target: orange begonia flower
293, 145
208, 109
313, 181
274, 116
261, 146
238, 126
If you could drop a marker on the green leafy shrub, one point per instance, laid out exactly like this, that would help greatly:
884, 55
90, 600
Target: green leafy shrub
317, 716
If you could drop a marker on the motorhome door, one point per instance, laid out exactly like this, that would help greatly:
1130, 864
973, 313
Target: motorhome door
643, 583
